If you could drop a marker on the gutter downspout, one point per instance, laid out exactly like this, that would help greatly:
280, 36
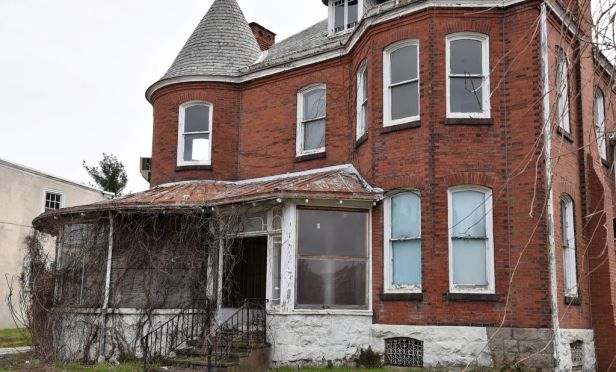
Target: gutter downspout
547, 142
102, 343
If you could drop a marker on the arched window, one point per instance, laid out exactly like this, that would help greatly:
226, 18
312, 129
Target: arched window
311, 115
562, 91
600, 124
403, 243
401, 83
362, 100
567, 217
468, 75
195, 134
471, 245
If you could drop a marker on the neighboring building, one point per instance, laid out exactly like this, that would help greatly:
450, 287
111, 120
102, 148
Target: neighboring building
393, 159
24, 194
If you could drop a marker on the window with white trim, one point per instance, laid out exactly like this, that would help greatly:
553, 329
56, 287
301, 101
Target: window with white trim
344, 14
568, 241
600, 124
471, 245
562, 92
401, 83
53, 200
468, 75
403, 243
195, 134
362, 100
311, 114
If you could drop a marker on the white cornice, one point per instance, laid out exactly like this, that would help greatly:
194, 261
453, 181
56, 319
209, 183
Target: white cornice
379, 14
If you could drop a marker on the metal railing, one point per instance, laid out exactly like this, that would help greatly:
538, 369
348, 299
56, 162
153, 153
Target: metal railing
191, 324
244, 329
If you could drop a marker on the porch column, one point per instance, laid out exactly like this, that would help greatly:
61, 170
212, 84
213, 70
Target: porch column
102, 341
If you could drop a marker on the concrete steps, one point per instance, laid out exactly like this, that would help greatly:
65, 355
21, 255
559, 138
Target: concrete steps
254, 358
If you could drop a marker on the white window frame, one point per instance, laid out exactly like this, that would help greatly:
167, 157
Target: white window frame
388, 270
460, 288
569, 250
299, 147
387, 121
562, 92
600, 132
361, 118
332, 16
485, 69
181, 133
52, 191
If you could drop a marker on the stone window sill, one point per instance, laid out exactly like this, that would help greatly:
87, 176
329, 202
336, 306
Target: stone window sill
181, 168
360, 141
605, 163
401, 296
573, 301
469, 121
307, 157
403, 126
472, 297
566, 135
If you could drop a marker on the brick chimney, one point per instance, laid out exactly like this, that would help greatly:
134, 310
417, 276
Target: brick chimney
265, 37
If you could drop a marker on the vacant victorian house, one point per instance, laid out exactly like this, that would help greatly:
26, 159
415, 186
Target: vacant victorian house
431, 179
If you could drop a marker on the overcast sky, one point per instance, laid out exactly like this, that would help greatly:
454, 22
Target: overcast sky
73, 74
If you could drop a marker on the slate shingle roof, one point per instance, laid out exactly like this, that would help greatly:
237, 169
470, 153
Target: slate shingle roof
221, 44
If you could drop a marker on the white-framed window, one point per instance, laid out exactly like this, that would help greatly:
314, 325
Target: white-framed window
468, 75
402, 261
311, 114
53, 200
344, 15
562, 91
568, 241
362, 100
600, 124
471, 243
195, 133
401, 82
332, 259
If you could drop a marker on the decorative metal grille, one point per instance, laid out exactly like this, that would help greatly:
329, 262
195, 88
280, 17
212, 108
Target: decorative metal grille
404, 352
577, 354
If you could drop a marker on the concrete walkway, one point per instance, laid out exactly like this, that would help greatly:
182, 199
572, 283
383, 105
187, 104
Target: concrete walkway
15, 350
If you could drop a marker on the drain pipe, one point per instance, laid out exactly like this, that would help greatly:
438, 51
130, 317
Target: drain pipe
547, 150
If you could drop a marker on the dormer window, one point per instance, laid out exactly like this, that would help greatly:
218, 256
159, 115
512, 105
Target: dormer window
344, 14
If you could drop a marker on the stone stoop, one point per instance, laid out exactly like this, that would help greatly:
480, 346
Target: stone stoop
256, 358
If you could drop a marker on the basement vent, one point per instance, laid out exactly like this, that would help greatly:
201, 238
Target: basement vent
577, 355
404, 352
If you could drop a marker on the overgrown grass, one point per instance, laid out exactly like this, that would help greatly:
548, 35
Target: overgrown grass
15, 337
330, 369
104, 367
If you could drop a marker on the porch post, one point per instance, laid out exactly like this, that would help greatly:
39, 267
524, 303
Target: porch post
102, 342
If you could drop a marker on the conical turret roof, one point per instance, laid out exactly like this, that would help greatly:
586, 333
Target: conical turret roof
221, 44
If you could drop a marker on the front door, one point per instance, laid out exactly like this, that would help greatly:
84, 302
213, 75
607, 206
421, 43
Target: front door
245, 271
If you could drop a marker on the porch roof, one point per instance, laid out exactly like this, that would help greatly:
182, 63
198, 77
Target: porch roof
340, 182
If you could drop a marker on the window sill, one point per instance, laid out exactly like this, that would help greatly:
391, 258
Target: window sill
564, 134
403, 126
181, 168
605, 163
573, 301
472, 297
402, 296
469, 121
319, 155
360, 141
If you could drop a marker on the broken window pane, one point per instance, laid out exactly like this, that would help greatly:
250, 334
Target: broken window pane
314, 104
197, 118
403, 64
404, 101
405, 216
196, 147
468, 214
465, 57
466, 94
406, 262
469, 261
332, 233
331, 283
314, 135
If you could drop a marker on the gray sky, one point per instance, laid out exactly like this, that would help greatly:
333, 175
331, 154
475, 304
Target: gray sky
73, 74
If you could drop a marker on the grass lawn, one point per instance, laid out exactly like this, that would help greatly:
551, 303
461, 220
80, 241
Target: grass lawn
14, 337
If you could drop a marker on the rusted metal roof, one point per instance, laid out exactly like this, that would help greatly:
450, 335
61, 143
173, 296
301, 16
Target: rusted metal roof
339, 182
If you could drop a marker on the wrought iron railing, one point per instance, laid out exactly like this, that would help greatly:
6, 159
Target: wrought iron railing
244, 329
191, 324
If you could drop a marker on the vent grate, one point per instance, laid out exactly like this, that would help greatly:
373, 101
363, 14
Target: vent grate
577, 355
404, 352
